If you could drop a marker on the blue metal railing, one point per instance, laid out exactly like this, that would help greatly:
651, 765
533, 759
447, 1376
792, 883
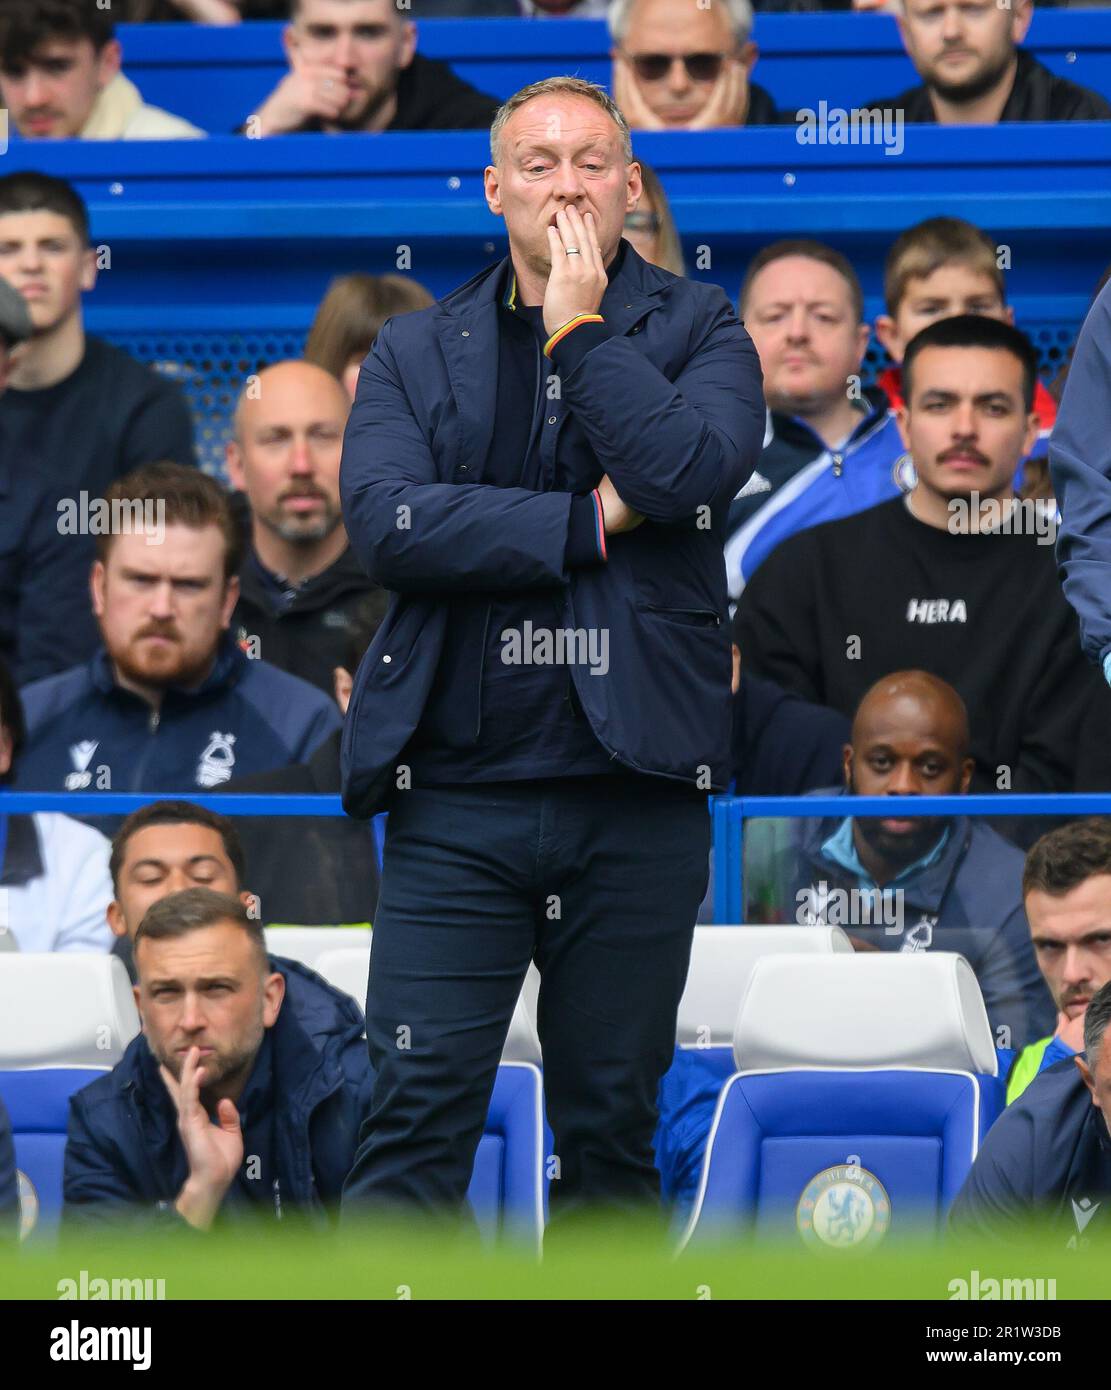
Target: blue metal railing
728, 812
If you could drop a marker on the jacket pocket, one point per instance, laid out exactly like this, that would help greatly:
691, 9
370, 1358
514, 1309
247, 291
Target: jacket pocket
689, 617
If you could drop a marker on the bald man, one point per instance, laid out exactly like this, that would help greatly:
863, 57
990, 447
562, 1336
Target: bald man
304, 596
944, 883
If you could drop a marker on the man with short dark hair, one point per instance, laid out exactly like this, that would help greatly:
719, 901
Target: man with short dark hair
952, 579
230, 1102
60, 76
831, 446
354, 66
974, 72
1066, 885
163, 848
303, 592
1045, 1164
169, 701
89, 411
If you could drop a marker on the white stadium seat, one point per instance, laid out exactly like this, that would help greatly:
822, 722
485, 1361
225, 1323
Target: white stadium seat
722, 961
308, 944
64, 1010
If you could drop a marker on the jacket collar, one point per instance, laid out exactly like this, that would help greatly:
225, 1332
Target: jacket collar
226, 672
929, 887
467, 327
791, 430
342, 576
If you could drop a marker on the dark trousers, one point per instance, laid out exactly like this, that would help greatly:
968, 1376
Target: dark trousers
599, 880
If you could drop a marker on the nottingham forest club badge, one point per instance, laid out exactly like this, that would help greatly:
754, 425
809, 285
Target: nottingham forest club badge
843, 1208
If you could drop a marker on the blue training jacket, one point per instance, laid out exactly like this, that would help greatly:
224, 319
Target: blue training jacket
1080, 468
125, 1163
1048, 1156
248, 716
664, 397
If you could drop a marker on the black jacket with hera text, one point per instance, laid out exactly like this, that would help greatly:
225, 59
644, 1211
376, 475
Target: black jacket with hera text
311, 634
1037, 95
836, 607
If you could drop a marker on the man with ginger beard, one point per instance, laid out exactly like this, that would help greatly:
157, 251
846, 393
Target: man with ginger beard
169, 701
303, 593
953, 578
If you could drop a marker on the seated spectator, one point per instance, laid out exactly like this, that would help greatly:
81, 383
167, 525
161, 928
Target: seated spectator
9, 1183
354, 66
350, 317
938, 269
89, 411
42, 572
831, 448
302, 591
651, 230
1066, 886
170, 700
931, 882
688, 76
949, 580
60, 76
342, 889
973, 72
53, 869
232, 1102
1046, 1162
166, 847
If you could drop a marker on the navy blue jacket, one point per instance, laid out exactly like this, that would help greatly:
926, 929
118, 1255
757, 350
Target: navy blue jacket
1048, 1156
1080, 467
247, 717
124, 1161
665, 397
9, 1188
969, 901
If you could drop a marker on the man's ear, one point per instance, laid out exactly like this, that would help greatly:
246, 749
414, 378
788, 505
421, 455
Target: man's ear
116, 919
888, 334
108, 63
233, 461
97, 584
902, 423
748, 55
88, 269
5, 751
847, 764
968, 767
135, 990
1086, 1072
273, 992
1023, 14
231, 598
408, 45
491, 186
634, 189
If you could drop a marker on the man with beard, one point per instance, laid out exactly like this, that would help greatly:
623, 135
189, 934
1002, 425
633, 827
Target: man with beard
955, 578
302, 591
354, 66
925, 882
974, 73
236, 1099
893, 884
169, 701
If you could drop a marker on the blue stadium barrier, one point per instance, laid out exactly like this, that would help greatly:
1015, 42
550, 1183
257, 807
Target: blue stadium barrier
215, 77
217, 252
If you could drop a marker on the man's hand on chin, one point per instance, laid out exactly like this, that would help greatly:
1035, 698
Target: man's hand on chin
578, 277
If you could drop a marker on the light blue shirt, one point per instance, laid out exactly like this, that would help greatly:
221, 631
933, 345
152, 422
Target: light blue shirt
841, 849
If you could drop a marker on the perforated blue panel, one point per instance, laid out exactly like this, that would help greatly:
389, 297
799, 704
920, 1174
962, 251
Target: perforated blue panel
211, 368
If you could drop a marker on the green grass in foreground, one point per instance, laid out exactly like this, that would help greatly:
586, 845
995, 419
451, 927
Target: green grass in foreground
613, 1262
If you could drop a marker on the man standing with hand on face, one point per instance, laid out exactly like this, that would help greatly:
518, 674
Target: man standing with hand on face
539, 469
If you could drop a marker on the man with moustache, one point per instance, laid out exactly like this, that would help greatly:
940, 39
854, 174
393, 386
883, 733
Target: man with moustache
243, 1095
302, 592
550, 449
169, 701
949, 579
973, 71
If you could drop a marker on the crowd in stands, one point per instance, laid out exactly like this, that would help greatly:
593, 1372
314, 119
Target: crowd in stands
893, 632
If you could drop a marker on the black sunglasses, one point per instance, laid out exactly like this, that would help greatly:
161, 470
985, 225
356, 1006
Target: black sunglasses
654, 67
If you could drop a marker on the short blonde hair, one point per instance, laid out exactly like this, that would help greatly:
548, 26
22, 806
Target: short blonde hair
561, 86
